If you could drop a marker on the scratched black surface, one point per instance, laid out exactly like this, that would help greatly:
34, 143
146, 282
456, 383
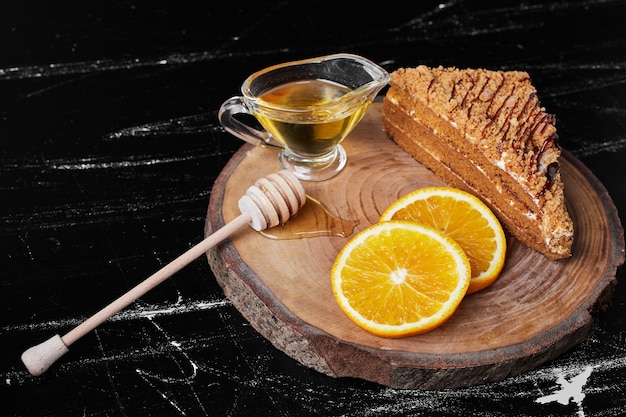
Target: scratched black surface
110, 146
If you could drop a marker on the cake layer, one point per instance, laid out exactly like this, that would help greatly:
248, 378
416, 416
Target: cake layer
461, 174
468, 135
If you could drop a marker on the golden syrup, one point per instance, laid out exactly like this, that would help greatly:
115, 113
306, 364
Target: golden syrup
313, 220
309, 128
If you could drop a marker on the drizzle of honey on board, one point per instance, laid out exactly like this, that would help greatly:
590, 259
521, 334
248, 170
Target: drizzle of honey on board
312, 220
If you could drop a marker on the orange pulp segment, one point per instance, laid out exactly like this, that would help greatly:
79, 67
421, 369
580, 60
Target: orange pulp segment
400, 278
464, 218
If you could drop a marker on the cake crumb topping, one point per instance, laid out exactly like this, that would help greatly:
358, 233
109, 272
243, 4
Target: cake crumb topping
496, 105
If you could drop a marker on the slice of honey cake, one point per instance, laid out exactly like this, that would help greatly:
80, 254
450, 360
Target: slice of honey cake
486, 132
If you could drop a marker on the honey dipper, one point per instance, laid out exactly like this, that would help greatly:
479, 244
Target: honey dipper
271, 201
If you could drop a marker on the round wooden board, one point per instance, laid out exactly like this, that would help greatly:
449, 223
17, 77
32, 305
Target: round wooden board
537, 309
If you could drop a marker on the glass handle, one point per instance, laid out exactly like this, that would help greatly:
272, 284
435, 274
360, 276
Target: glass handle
237, 128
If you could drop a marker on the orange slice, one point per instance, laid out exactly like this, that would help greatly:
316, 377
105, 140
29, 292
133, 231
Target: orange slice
464, 218
400, 278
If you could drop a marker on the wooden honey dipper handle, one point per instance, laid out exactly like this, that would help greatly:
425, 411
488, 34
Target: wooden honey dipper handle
269, 202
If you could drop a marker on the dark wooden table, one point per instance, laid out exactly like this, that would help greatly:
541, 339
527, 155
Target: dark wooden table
110, 147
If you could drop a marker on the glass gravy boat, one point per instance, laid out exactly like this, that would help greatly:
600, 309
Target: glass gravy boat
306, 107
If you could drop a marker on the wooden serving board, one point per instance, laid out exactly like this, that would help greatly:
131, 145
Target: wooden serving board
536, 310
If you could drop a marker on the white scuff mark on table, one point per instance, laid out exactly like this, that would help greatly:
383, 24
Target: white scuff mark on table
588, 148
188, 124
179, 348
149, 311
118, 399
570, 390
93, 163
187, 380
100, 65
178, 308
161, 393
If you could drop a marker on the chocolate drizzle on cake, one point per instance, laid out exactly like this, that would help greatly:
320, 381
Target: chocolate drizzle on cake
552, 168
519, 124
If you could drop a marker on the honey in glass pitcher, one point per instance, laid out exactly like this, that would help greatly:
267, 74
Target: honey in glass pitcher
306, 107
322, 130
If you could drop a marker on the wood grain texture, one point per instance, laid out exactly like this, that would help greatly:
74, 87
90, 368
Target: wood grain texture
536, 310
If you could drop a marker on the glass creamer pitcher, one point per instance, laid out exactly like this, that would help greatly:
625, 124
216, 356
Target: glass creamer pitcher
307, 108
